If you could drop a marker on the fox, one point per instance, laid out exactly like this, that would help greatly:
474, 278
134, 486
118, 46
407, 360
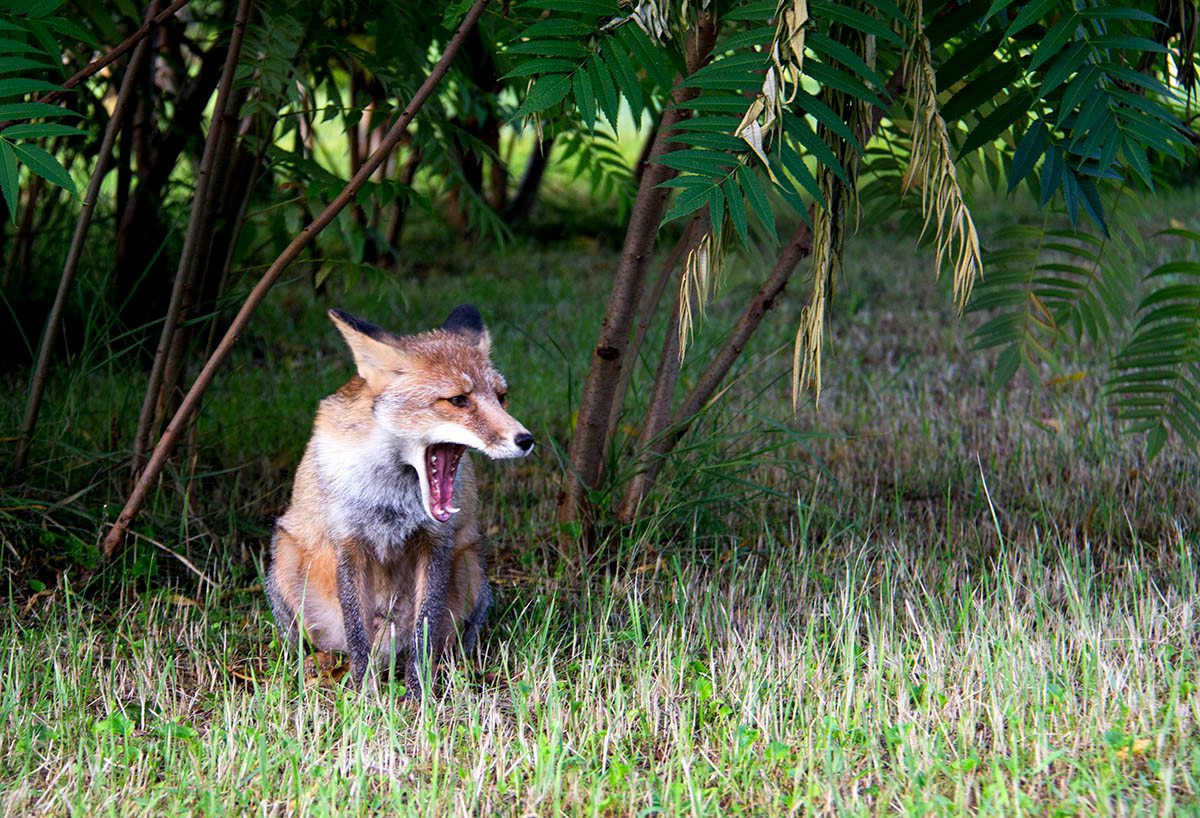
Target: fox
380, 551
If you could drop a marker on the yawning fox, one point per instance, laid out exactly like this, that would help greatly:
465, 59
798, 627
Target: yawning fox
380, 549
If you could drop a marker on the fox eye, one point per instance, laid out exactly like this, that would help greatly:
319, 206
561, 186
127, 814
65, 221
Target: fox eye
502, 397
460, 401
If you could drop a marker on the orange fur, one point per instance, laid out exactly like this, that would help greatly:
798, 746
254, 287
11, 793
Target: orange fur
370, 522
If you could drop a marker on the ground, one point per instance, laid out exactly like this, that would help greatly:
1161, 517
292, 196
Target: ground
923, 597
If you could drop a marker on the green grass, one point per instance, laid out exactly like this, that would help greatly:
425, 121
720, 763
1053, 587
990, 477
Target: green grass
921, 599
869, 682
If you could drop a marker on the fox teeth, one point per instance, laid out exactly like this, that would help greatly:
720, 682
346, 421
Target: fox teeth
452, 509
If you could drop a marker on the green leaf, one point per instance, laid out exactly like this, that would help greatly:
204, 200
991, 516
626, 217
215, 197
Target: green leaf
1055, 39
597, 8
10, 46
798, 128
1083, 84
980, 90
966, 58
1071, 60
825, 115
997, 122
606, 91
45, 165
715, 141
8, 178
829, 77
855, 19
1007, 364
1126, 42
800, 172
11, 64
953, 20
689, 201
737, 209
557, 27
627, 80
546, 92
1155, 438
1052, 170
1029, 150
1030, 14
550, 48
653, 59
542, 65
716, 207
756, 194
585, 99
40, 130
1135, 156
32, 110
700, 162
752, 12
826, 45
1091, 202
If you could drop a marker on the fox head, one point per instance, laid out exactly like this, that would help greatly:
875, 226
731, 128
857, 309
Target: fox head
436, 393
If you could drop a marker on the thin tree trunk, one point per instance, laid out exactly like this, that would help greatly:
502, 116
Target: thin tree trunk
521, 206
192, 242
195, 284
103, 160
110, 57
400, 205
655, 419
116, 535
648, 310
644, 156
141, 275
17, 270
608, 357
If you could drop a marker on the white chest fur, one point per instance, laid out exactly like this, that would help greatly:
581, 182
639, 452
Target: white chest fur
373, 493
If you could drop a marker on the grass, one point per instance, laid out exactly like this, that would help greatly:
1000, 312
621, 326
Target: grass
923, 598
781, 681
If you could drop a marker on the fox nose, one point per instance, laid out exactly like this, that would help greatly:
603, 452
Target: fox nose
524, 441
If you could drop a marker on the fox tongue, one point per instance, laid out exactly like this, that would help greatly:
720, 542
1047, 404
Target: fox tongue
441, 460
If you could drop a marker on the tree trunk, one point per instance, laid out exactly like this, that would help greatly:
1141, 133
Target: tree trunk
139, 263
589, 443
521, 206
654, 421
194, 244
649, 309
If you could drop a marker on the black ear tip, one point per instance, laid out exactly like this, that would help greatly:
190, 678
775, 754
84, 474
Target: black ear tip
360, 326
464, 318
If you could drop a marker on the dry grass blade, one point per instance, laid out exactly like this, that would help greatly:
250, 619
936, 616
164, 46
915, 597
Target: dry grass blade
701, 273
932, 168
782, 78
826, 260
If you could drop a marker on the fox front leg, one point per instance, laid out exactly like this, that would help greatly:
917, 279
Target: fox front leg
483, 601
351, 585
433, 572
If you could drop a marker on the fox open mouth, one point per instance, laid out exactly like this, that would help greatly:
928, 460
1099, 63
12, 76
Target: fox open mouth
441, 465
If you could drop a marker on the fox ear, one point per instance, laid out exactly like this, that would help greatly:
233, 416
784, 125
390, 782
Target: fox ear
466, 321
376, 351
